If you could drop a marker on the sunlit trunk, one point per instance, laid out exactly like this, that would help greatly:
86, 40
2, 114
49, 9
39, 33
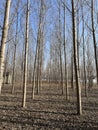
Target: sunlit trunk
26, 57
3, 40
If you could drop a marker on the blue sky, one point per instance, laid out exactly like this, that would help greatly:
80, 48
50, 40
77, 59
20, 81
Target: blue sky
51, 17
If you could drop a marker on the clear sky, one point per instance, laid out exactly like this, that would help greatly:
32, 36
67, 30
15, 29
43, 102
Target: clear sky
51, 17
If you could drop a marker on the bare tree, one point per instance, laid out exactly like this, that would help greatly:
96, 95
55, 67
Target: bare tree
3, 40
89, 67
78, 43
79, 105
72, 67
26, 56
6, 64
60, 49
84, 67
14, 59
94, 38
34, 70
66, 81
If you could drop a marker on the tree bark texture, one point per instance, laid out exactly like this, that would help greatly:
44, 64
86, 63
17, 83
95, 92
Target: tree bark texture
78, 88
3, 40
26, 56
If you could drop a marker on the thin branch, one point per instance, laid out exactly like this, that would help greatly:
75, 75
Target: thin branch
66, 7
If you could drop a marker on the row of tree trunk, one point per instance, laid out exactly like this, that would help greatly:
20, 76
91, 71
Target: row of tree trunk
38, 62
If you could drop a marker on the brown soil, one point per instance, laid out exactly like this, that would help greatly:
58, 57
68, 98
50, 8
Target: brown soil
48, 111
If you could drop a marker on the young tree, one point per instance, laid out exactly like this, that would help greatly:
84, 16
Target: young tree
3, 40
72, 69
14, 59
66, 81
26, 56
84, 67
79, 105
34, 70
60, 48
94, 37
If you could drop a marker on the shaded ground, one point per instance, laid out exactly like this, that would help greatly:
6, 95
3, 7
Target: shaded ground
49, 110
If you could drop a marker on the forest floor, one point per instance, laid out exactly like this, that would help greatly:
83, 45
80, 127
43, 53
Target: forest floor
48, 111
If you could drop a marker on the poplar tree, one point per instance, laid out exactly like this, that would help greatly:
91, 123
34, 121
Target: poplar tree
26, 56
3, 40
78, 88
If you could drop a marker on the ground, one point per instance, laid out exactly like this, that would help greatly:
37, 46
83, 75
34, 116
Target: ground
48, 111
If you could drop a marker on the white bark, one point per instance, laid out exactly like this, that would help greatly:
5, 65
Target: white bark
3, 40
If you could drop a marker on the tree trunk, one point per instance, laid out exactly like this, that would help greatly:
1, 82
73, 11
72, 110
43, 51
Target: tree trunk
14, 60
3, 40
61, 82
38, 65
33, 83
13, 75
94, 38
6, 63
72, 84
84, 68
66, 81
25, 57
78, 36
60, 51
79, 105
